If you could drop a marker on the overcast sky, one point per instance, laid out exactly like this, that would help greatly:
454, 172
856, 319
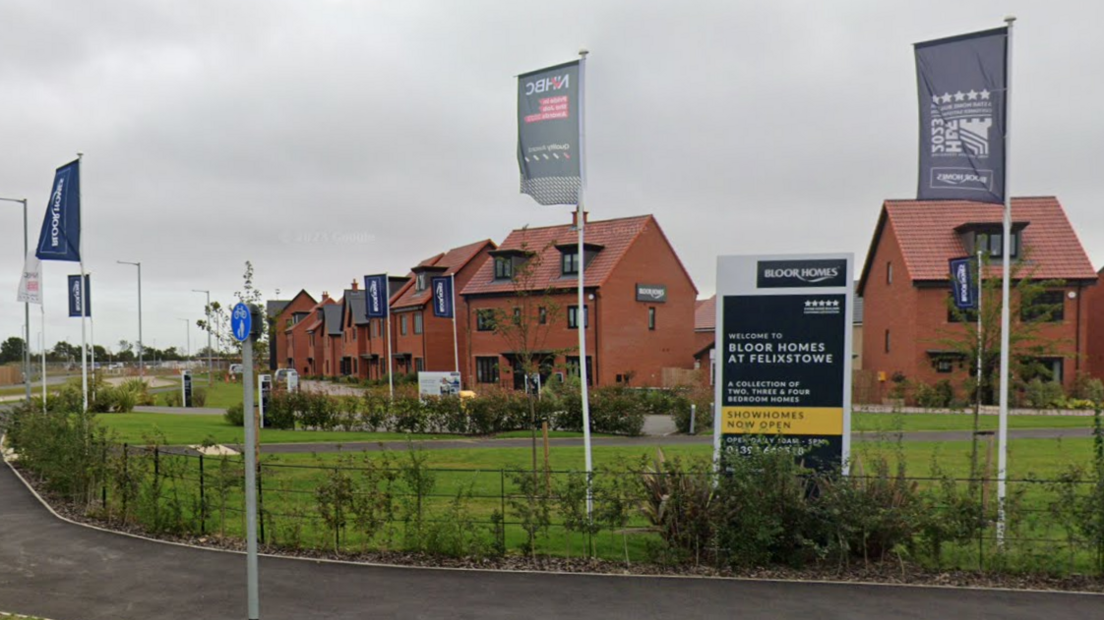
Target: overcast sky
324, 140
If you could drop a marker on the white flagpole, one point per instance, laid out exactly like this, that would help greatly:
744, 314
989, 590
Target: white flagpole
455, 342
581, 314
84, 343
91, 336
981, 340
1006, 264
42, 308
387, 308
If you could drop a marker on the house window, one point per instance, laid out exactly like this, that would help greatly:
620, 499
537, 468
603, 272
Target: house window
354, 334
573, 317
1045, 368
991, 242
420, 282
418, 323
504, 268
486, 369
570, 263
889, 273
517, 315
356, 366
944, 365
379, 328
651, 318
887, 341
542, 316
402, 325
573, 367
484, 320
312, 339
1048, 306
419, 366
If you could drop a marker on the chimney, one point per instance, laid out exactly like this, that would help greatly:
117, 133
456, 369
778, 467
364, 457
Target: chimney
355, 285
325, 295
575, 218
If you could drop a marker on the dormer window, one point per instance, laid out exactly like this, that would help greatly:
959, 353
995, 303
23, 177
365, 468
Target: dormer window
569, 257
507, 262
988, 238
991, 243
503, 268
420, 283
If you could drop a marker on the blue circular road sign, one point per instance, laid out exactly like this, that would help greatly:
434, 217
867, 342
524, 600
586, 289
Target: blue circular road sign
241, 320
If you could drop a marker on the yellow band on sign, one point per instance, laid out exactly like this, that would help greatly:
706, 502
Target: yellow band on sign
782, 420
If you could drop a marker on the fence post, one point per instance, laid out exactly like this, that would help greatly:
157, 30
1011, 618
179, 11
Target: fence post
202, 498
103, 473
502, 502
260, 503
156, 466
126, 477
693, 416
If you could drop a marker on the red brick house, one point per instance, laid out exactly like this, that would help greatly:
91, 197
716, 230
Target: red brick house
905, 291
307, 342
423, 341
285, 314
705, 327
639, 313
361, 348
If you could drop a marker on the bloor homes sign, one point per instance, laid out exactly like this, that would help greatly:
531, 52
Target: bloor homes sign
784, 357
654, 293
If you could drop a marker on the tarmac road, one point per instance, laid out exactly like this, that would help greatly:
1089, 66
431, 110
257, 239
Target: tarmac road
55, 569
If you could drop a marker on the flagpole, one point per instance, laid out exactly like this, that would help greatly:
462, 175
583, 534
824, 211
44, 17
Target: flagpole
27, 311
581, 314
1006, 264
386, 294
455, 342
42, 308
84, 304
91, 336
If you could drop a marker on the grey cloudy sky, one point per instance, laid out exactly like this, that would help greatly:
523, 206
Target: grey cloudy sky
324, 139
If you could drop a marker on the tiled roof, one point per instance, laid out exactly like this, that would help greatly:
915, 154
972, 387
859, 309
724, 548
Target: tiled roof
705, 314
614, 235
452, 261
354, 302
927, 237
332, 314
273, 307
326, 301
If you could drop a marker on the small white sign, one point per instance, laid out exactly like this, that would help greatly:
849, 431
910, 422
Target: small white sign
438, 383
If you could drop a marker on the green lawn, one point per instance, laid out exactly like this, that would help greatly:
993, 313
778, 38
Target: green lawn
220, 394
889, 422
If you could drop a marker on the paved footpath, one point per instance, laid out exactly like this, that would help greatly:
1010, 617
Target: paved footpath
55, 569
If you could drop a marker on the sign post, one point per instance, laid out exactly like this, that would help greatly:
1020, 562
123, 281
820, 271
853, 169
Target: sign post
783, 378
264, 392
186, 388
242, 325
292, 381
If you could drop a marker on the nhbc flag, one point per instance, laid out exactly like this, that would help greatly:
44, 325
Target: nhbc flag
76, 301
963, 286
61, 227
375, 296
30, 284
442, 297
962, 87
548, 134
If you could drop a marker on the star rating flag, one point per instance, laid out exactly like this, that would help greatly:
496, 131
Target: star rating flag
548, 134
962, 83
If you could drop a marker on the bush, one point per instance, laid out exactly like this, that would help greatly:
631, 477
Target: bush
235, 414
938, 396
199, 397
1088, 388
1044, 394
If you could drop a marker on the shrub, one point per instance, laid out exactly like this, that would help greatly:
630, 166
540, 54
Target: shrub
1086, 387
235, 414
1044, 394
938, 396
199, 397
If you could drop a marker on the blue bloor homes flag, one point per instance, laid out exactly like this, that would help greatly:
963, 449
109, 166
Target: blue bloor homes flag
375, 296
76, 301
61, 228
442, 297
548, 134
962, 84
964, 287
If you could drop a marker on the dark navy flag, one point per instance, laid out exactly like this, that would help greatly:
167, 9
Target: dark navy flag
61, 228
375, 296
75, 298
963, 87
548, 134
963, 285
442, 297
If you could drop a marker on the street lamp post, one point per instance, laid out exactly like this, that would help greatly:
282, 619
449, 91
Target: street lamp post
207, 311
141, 361
188, 338
26, 307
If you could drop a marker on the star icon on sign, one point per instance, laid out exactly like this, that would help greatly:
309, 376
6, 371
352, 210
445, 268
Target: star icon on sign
959, 96
935, 99
972, 95
946, 97
984, 94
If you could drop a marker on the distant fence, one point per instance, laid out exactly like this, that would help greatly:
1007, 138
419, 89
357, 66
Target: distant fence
10, 375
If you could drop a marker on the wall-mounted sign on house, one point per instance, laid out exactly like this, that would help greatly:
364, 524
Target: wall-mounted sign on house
653, 293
